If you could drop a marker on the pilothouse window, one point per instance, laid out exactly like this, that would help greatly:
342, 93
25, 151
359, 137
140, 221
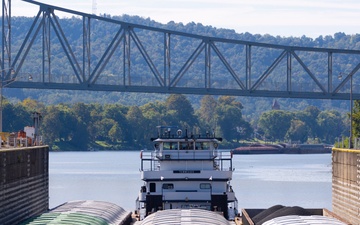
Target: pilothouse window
187, 145
205, 146
170, 146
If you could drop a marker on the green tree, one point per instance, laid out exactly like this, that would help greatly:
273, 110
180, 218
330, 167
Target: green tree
81, 137
330, 124
137, 122
229, 119
298, 131
50, 124
59, 124
311, 113
117, 113
15, 117
230, 100
155, 115
68, 121
96, 115
104, 126
115, 133
207, 112
356, 118
181, 110
32, 105
275, 123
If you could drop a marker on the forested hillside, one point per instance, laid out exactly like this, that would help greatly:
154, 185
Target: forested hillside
253, 107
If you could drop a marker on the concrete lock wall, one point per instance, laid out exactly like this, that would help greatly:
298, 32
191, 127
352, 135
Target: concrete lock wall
346, 184
24, 183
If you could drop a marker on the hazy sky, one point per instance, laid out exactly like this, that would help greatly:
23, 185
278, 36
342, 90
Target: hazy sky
276, 17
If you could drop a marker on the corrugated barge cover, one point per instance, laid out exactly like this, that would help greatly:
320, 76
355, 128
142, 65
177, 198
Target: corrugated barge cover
84, 212
303, 220
185, 217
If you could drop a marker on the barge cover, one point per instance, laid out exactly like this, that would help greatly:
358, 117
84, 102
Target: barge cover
84, 212
185, 216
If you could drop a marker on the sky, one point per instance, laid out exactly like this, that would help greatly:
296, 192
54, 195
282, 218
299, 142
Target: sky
285, 18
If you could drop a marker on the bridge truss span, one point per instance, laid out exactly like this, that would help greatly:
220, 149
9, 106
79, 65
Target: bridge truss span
140, 58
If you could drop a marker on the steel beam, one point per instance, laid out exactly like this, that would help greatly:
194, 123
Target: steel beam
184, 90
6, 40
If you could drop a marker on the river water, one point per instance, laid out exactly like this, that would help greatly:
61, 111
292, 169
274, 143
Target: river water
259, 181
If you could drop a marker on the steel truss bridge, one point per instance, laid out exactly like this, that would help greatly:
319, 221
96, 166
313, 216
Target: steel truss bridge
154, 60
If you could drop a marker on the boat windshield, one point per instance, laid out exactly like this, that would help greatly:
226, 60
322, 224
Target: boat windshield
185, 145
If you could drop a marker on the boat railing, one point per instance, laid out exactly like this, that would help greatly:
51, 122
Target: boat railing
224, 161
186, 155
222, 158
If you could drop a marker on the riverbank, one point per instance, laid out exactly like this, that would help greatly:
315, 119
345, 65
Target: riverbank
283, 149
94, 146
116, 146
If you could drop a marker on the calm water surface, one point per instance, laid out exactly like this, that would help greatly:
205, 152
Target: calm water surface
259, 181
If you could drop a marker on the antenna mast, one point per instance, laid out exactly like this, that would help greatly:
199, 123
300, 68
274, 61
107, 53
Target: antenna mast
94, 7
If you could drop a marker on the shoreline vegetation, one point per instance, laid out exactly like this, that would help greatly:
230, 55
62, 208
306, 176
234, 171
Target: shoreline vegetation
89, 127
242, 149
102, 146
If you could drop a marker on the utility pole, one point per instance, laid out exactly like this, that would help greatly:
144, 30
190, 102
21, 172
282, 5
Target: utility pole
94, 7
351, 112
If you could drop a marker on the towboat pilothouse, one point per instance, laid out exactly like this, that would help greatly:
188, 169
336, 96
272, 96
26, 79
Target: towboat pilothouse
186, 171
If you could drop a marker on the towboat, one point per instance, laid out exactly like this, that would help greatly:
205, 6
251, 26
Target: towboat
186, 171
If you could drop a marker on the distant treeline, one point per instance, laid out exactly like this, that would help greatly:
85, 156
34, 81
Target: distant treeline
83, 126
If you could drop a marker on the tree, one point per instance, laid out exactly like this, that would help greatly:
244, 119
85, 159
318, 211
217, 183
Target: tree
117, 114
275, 123
229, 119
308, 118
207, 112
33, 105
115, 133
181, 110
82, 111
311, 113
81, 136
51, 121
68, 123
298, 131
330, 124
137, 122
83, 122
96, 114
60, 124
155, 115
15, 117
356, 119
230, 100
